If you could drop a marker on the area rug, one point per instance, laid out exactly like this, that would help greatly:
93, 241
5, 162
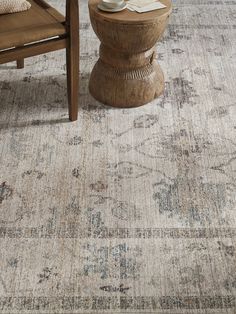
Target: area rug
125, 210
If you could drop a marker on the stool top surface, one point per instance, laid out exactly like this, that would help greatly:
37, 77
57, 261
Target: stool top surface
127, 16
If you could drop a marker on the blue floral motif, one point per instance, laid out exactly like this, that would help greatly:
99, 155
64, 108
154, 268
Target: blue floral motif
119, 261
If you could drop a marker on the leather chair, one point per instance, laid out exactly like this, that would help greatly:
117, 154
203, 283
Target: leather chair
43, 29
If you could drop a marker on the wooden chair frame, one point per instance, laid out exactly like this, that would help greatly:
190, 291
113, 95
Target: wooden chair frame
69, 41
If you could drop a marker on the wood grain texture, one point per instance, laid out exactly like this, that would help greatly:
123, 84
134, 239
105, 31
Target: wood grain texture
128, 17
20, 63
43, 29
72, 57
32, 50
127, 74
40, 22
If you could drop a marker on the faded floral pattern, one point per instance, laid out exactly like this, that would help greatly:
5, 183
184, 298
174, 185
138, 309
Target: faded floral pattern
129, 210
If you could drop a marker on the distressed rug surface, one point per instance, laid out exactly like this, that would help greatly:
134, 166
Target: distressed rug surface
124, 211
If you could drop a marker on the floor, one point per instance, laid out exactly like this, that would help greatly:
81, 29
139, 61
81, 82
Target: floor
123, 211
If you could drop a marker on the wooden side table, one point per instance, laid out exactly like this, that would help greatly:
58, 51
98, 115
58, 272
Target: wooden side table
127, 74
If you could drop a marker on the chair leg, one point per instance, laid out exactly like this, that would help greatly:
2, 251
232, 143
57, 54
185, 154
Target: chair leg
72, 59
20, 63
72, 85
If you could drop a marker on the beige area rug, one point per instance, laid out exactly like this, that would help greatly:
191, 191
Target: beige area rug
124, 211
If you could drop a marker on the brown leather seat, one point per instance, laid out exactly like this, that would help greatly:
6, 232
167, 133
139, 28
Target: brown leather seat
38, 23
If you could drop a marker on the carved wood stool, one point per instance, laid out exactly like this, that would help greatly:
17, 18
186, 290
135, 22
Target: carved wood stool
127, 74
